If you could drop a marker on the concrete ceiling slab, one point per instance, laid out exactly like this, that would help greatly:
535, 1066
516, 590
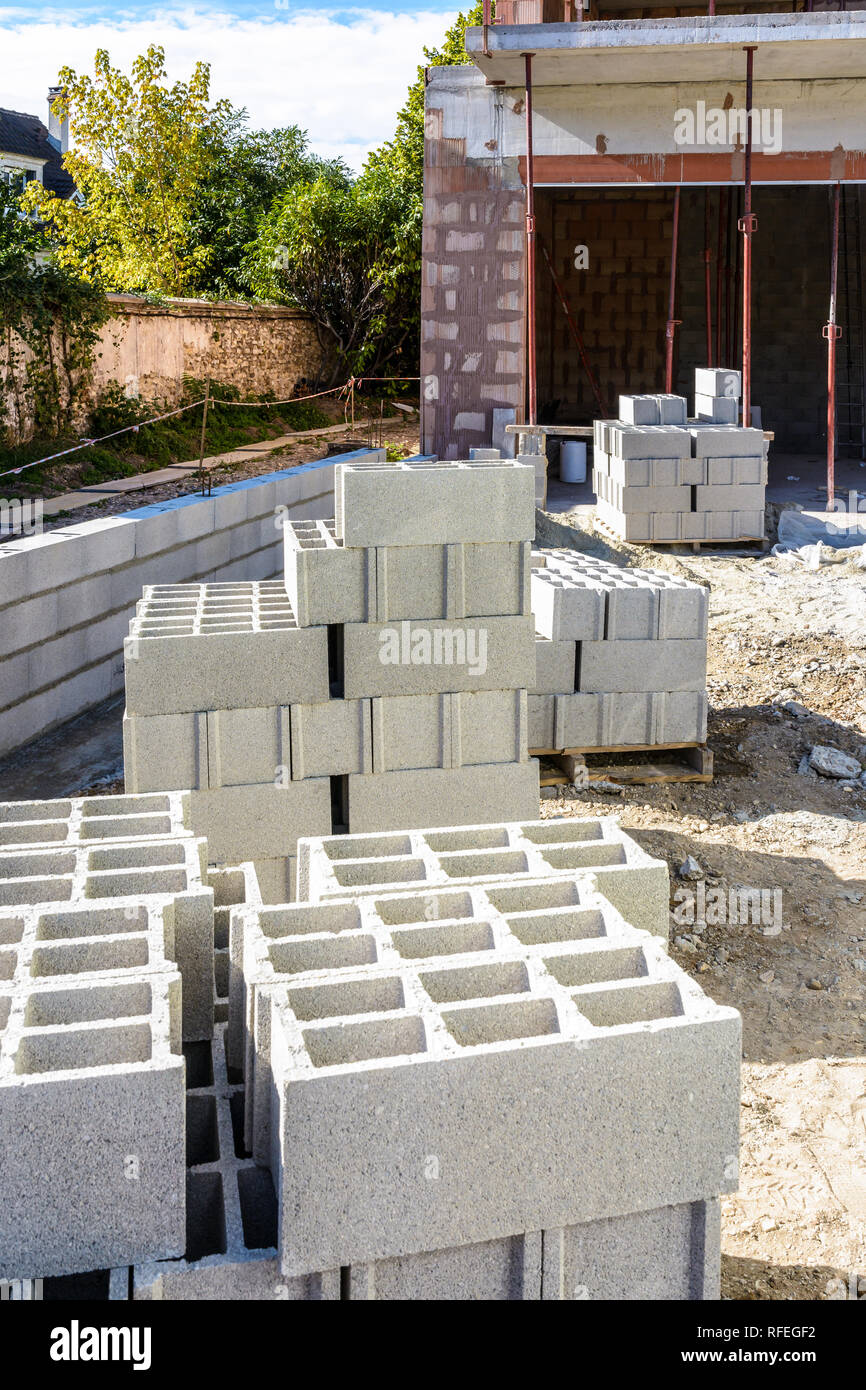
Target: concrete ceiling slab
805, 47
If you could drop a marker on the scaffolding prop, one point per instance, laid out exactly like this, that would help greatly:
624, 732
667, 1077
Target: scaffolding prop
748, 225
832, 332
671, 326
530, 249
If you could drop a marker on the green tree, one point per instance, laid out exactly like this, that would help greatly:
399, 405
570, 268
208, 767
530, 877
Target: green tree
350, 254
143, 152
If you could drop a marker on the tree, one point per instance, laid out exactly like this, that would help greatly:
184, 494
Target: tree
351, 254
251, 171
142, 155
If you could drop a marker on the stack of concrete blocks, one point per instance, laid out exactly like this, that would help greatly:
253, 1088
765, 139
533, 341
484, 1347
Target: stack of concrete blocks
660, 477
106, 965
621, 656
549, 1104
384, 682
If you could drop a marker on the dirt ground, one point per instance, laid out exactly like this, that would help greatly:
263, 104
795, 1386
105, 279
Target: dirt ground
787, 670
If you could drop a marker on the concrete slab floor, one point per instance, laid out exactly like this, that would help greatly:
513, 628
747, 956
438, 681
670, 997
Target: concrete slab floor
85, 754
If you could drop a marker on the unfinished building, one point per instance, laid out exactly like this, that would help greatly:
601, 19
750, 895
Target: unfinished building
603, 216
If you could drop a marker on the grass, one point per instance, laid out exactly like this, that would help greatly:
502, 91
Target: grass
154, 446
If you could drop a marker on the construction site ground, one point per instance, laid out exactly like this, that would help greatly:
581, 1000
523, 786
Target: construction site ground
787, 670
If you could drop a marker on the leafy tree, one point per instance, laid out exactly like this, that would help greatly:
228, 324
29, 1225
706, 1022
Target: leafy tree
351, 254
251, 171
142, 154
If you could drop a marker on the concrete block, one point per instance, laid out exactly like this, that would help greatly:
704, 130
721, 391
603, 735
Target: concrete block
325, 582
483, 454
718, 381
667, 664
411, 731
488, 727
670, 1253
387, 800
495, 580
463, 857
566, 608
541, 713
259, 822
505, 443
639, 410
554, 666
92, 820
491, 1270
427, 657
424, 503
530, 1078
649, 499
331, 739
247, 746
648, 441
719, 410
735, 525
738, 497
578, 721
725, 441
672, 409
163, 750
92, 1110
232, 1214
214, 646
723, 472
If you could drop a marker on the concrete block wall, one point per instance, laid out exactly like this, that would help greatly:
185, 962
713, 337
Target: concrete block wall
66, 597
490, 1001
621, 655
699, 480
382, 683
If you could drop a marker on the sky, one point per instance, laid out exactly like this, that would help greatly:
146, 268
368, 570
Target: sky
341, 74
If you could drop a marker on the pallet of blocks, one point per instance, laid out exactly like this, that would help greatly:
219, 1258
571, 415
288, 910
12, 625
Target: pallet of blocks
661, 478
621, 659
382, 681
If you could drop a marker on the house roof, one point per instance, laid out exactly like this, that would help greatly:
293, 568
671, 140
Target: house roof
27, 136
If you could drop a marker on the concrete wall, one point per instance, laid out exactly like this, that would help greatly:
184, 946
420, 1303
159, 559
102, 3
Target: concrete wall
66, 597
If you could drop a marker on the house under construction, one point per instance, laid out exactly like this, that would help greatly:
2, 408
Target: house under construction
613, 200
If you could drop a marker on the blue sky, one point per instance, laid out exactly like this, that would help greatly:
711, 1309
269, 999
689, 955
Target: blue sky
341, 75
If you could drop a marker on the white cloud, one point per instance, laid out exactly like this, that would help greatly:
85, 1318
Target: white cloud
343, 82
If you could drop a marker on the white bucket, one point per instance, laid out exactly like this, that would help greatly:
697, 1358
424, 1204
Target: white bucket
572, 461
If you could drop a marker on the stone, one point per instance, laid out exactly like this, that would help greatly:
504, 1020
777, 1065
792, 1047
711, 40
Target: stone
831, 762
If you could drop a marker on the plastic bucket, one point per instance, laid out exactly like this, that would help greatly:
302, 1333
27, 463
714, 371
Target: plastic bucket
572, 461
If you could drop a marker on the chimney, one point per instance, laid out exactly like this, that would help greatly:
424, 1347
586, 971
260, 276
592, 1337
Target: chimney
58, 130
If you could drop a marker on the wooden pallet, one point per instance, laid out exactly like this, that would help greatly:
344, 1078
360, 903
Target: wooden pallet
611, 535
571, 767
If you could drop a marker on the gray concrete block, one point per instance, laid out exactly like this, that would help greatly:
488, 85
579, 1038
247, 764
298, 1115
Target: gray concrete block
331, 739
463, 857
528, 1062
406, 658
160, 750
411, 731
554, 666
92, 1103
424, 503
483, 454
666, 664
639, 410
719, 410
725, 441
648, 441
325, 582
718, 381
388, 800
541, 713
672, 409
566, 608
505, 443
259, 822
738, 497
215, 646
495, 580
247, 746
723, 472
670, 1253
649, 499
493, 1270
488, 727
578, 721
735, 525
233, 1206
92, 820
